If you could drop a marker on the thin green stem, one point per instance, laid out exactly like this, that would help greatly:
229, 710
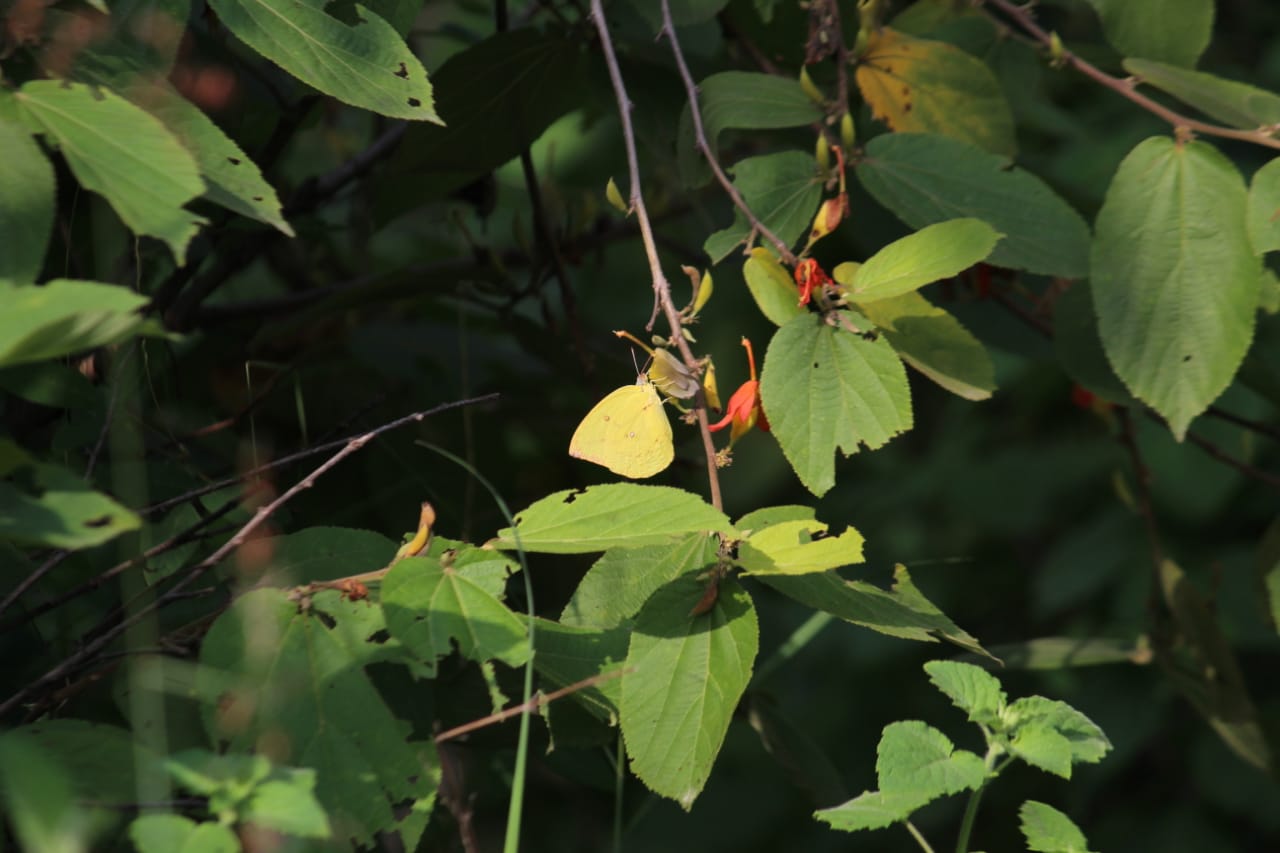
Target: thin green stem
971, 808
920, 839
515, 810
799, 638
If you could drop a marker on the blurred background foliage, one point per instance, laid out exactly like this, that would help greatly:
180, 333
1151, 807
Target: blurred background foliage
425, 281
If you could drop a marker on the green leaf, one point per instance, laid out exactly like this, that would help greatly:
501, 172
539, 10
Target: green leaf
170, 833
496, 97
328, 553
1048, 830
26, 205
38, 799
916, 758
616, 515
782, 190
684, 677
1264, 208
1174, 31
798, 548
269, 669
428, 605
758, 519
826, 389
935, 343
683, 12
101, 760
903, 612
773, 289
933, 253
907, 592
1237, 104
234, 181
617, 586
367, 65
64, 316
122, 153
57, 509
1086, 742
1268, 564
1049, 653
871, 810
288, 805
925, 179
744, 100
567, 655
1174, 219
1079, 348
970, 688
923, 86
1043, 748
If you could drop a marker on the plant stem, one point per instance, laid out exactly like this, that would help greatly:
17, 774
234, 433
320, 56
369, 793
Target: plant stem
971, 808
1127, 88
799, 638
661, 287
920, 839
757, 227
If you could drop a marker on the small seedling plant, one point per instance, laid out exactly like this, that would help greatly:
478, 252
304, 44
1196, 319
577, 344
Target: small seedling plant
917, 764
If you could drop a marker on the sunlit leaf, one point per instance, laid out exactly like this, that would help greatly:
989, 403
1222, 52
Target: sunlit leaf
871, 810
124, 154
367, 65
825, 390
921, 86
684, 677
970, 688
48, 505
773, 289
1048, 830
925, 179
610, 516
798, 548
621, 581
1173, 222
567, 655
915, 757
933, 253
935, 343
430, 608
26, 205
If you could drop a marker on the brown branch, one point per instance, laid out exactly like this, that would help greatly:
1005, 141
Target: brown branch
91, 649
1127, 88
527, 707
1243, 467
700, 135
661, 287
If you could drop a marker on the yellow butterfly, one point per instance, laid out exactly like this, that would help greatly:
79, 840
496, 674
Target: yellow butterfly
627, 432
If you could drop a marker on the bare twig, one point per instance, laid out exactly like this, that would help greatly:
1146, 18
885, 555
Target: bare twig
700, 135
1226, 458
91, 649
661, 287
1127, 88
532, 705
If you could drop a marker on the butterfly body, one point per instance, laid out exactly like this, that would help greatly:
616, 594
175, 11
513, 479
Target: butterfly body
627, 432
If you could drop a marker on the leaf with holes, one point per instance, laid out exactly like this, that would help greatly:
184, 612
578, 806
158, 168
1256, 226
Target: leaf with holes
367, 64
124, 154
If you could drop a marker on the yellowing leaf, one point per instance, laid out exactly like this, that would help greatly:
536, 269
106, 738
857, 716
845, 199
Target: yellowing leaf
792, 548
917, 85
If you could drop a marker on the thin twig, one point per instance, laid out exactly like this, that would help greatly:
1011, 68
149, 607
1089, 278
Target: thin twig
661, 287
1243, 467
532, 705
91, 649
1127, 88
700, 135
1142, 480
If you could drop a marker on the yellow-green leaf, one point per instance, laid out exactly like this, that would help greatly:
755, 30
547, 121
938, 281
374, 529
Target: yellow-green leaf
917, 85
798, 548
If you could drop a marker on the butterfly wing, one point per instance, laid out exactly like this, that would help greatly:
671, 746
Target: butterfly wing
627, 432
